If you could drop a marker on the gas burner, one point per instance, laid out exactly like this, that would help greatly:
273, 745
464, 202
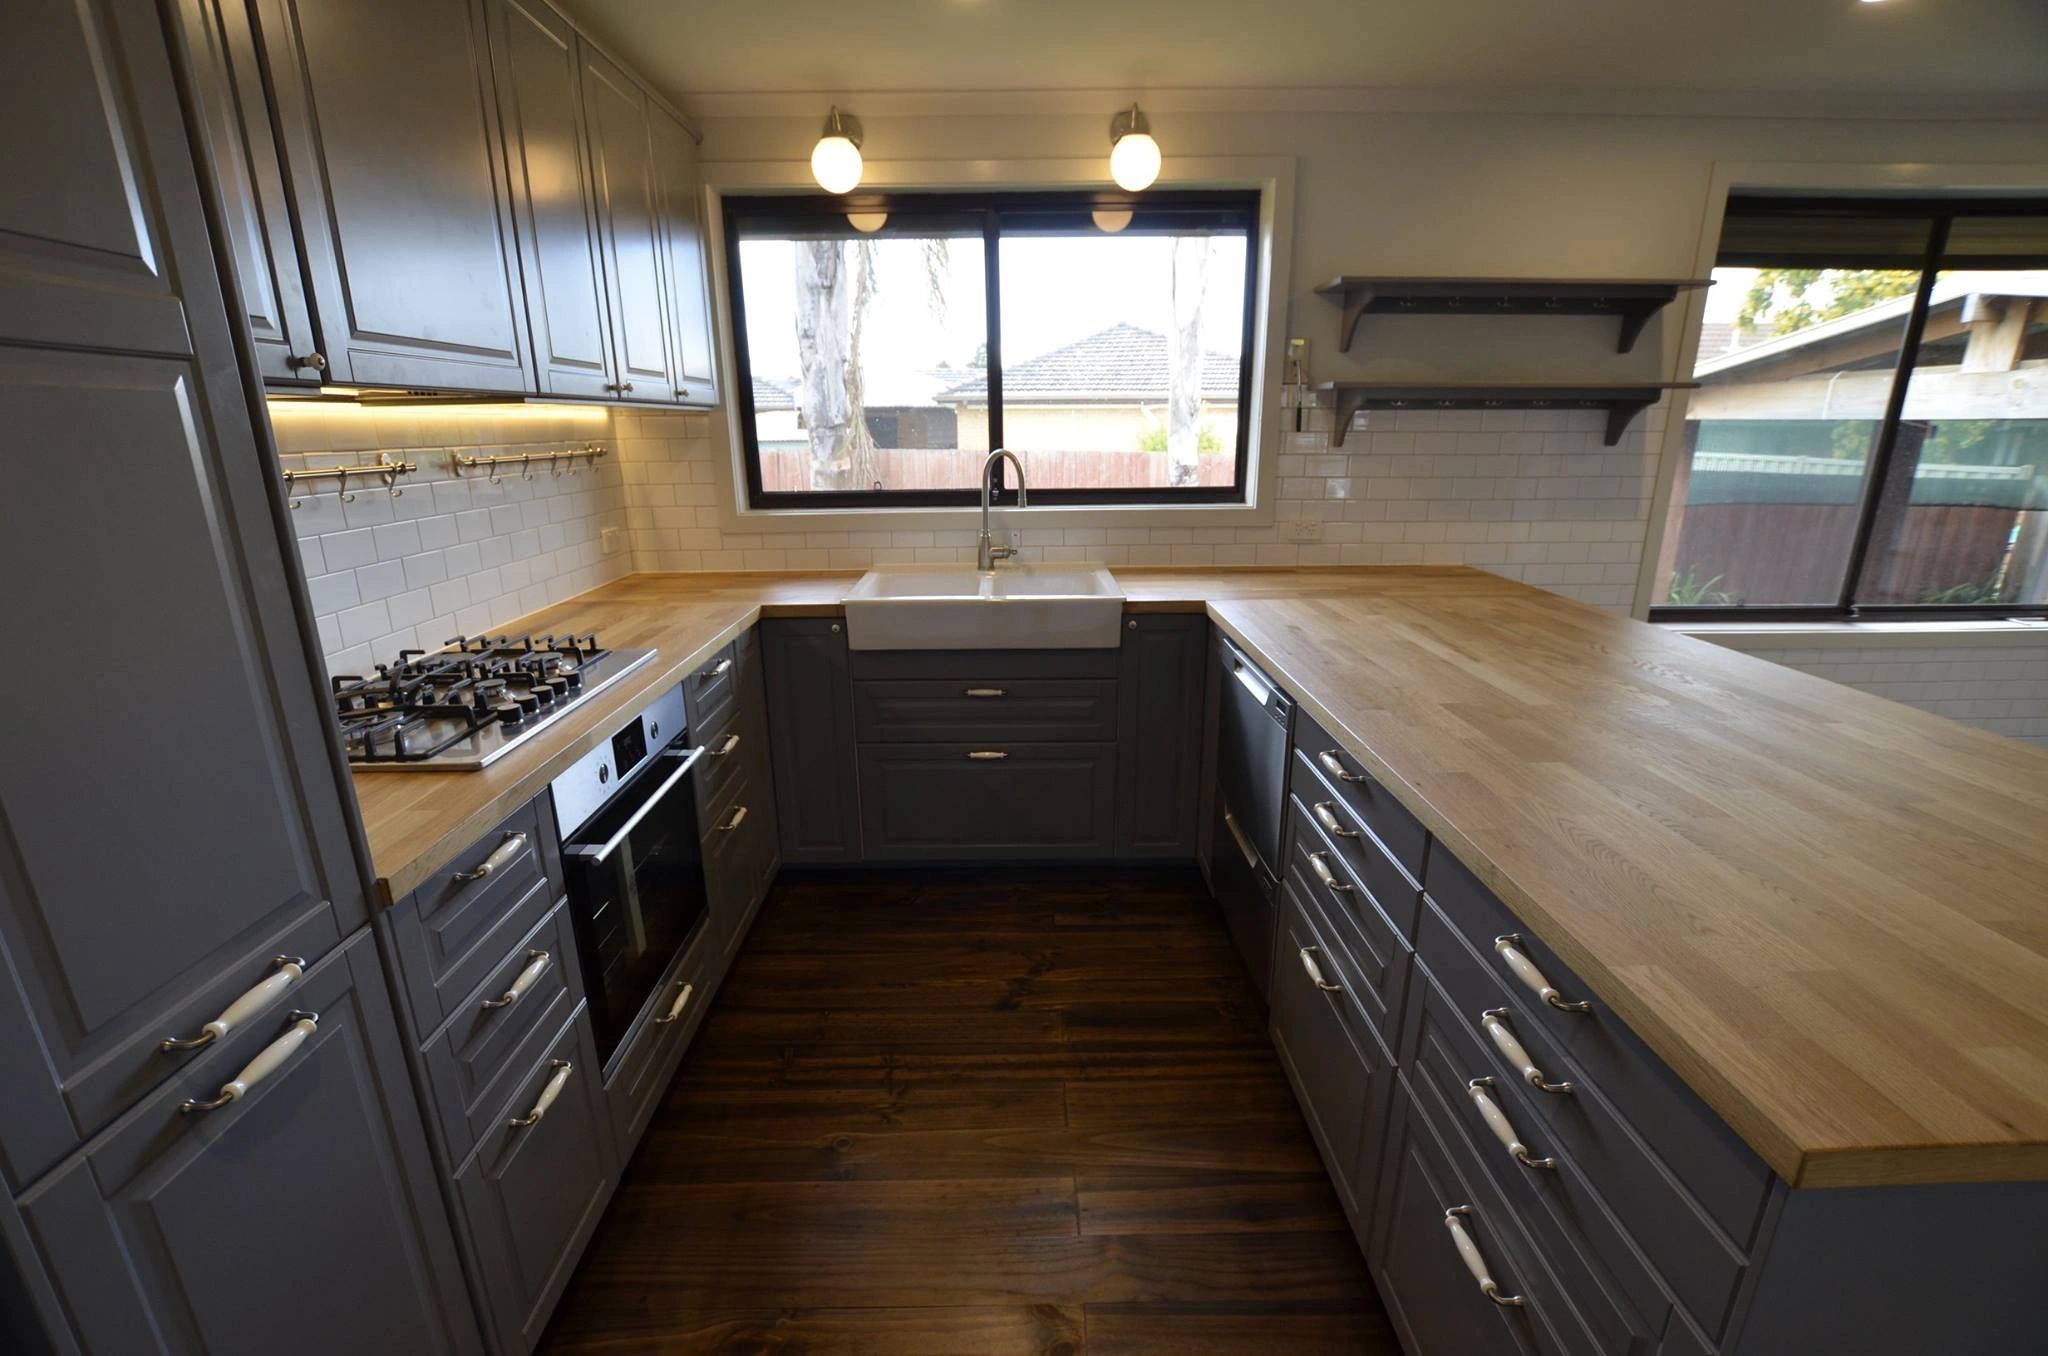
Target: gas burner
469, 702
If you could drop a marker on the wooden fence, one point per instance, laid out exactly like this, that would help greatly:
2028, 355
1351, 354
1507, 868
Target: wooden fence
918, 468
1794, 553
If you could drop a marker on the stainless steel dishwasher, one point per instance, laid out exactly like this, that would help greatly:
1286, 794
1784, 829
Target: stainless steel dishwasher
1254, 728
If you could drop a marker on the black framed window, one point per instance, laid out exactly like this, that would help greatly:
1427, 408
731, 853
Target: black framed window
887, 342
1870, 436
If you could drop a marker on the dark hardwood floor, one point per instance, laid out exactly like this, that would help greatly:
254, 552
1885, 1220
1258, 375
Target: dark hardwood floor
982, 1114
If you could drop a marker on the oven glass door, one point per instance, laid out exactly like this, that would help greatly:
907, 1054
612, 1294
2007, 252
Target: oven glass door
636, 890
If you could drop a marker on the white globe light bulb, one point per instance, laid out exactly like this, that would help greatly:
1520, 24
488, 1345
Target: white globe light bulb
1134, 161
835, 164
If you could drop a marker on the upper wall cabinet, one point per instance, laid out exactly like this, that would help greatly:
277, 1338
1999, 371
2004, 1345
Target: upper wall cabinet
553, 190
388, 114
684, 260
622, 147
234, 110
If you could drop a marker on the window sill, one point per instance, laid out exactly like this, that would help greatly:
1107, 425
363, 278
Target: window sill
1864, 635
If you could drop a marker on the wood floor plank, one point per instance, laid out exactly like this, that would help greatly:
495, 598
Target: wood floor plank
1167, 1330
980, 1113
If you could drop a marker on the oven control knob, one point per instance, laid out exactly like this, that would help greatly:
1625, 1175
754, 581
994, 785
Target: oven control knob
604, 774
509, 713
654, 729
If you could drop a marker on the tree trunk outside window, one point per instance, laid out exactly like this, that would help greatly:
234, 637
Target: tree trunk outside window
1184, 361
829, 293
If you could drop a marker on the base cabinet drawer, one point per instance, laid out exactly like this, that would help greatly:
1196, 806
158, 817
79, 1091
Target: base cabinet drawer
987, 801
301, 1215
645, 1060
538, 1185
1456, 1273
1070, 710
1342, 1085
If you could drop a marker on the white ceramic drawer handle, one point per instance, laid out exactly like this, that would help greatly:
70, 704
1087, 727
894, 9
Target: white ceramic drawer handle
1326, 815
739, 817
676, 1010
1321, 864
1509, 949
987, 755
1474, 1263
267, 1062
1315, 971
536, 966
1495, 1022
732, 741
1334, 765
500, 858
984, 692
1497, 1121
718, 670
286, 971
559, 1080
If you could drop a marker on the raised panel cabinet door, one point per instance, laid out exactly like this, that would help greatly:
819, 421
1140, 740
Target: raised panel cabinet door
1159, 765
87, 103
388, 115
233, 110
300, 1216
684, 260
622, 149
540, 96
810, 739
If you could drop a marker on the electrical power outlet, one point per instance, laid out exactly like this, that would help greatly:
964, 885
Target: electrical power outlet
1303, 529
611, 539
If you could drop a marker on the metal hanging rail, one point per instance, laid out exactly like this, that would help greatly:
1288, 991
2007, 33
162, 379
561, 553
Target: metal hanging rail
383, 469
590, 452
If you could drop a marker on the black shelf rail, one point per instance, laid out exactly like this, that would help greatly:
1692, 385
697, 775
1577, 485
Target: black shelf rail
1633, 301
1622, 401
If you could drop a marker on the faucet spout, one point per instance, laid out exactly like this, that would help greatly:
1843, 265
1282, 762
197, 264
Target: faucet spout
989, 553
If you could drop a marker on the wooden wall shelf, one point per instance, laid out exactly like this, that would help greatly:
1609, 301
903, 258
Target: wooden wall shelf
1622, 401
1633, 301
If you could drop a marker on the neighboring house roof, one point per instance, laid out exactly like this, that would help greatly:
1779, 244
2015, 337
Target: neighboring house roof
1950, 290
772, 395
1121, 365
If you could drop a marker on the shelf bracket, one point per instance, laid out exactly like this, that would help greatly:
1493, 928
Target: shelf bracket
1634, 316
1355, 301
1622, 413
1348, 404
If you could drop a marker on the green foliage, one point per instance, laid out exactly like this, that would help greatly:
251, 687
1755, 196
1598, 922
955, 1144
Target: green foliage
1782, 300
1689, 590
1152, 438
1966, 595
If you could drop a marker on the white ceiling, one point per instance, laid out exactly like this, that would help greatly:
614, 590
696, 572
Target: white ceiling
1974, 51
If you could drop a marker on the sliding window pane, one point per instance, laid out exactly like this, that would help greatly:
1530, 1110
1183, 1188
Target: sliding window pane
1122, 355
1795, 367
1964, 519
851, 338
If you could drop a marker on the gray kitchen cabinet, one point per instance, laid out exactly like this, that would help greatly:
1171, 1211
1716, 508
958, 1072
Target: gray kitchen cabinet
617, 113
540, 99
135, 907
538, 1185
389, 117
1159, 762
685, 262
810, 739
987, 801
233, 110
302, 1213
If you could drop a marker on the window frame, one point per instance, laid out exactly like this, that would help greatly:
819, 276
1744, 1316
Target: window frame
1242, 207
1941, 212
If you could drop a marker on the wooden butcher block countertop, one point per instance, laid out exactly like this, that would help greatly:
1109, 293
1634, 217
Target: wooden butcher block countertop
1826, 911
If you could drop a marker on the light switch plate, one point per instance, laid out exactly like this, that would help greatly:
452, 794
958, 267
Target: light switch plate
1303, 529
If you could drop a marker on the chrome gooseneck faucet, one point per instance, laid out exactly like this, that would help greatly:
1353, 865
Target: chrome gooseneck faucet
990, 553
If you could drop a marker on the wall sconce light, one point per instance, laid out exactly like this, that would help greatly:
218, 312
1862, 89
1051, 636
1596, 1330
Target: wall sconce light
835, 160
1133, 154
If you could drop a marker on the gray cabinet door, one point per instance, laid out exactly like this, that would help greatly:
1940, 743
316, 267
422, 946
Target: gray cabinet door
975, 802
810, 739
302, 1216
622, 149
540, 95
1164, 665
233, 111
144, 535
684, 260
389, 120
86, 107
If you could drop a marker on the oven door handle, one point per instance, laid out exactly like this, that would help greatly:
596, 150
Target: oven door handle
597, 852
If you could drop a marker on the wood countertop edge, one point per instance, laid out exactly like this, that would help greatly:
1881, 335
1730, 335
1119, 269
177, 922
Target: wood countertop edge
1803, 1165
